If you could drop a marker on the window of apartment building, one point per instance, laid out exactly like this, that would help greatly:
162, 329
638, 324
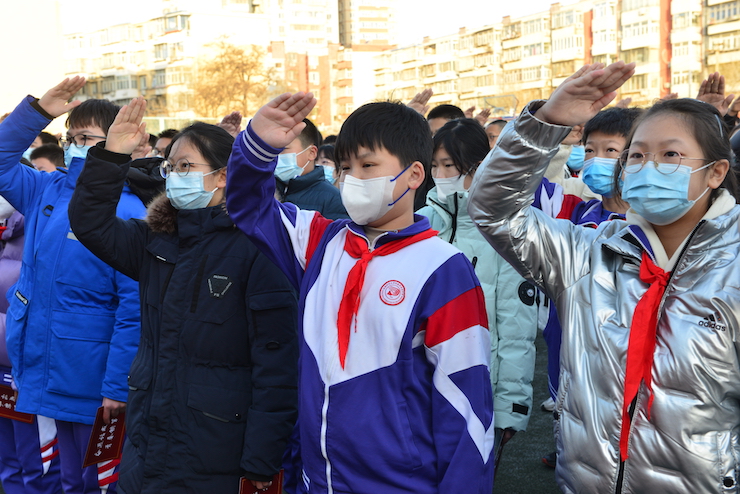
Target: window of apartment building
640, 28
109, 84
562, 19
605, 36
512, 54
292, 58
447, 67
108, 60
176, 51
466, 42
159, 79
636, 83
408, 74
638, 55
512, 30
160, 51
484, 80
122, 82
512, 76
564, 69
566, 43
725, 42
604, 9
428, 70
686, 19
685, 49
638, 4
532, 27
684, 77
444, 87
484, 38
534, 49
532, 74
605, 59
306, 27
484, 59
722, 11
142, 82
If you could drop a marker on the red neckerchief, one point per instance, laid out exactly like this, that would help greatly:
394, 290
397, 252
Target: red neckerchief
641, 346
356, 246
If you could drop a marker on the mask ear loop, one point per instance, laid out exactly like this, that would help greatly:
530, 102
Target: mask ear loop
407, 189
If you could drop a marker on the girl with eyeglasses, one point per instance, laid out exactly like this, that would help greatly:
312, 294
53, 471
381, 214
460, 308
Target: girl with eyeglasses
649, 397
213, 385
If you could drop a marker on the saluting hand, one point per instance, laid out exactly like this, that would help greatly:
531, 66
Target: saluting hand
128, 131
56, 100
281, 120
585, 93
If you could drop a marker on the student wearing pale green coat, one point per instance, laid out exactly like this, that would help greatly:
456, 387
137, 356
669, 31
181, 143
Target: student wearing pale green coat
459, 147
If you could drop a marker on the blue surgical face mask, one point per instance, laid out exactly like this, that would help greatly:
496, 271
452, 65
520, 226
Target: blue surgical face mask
188, 192
287, 169
598, 175
659, 198
75, 152
329, 174
27, 153
575, 160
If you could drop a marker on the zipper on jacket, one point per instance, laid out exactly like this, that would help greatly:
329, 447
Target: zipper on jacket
198, 280
633, 406
454, 220
324, 452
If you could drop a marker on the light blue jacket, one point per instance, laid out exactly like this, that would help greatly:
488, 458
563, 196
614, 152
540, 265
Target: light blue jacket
512, 314
73, 322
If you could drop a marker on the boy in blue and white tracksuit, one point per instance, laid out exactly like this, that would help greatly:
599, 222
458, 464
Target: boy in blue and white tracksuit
73, 322
405, 404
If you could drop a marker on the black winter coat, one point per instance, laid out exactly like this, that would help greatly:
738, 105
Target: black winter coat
213, 387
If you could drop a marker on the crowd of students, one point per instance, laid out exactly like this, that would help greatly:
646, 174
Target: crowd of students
361, 311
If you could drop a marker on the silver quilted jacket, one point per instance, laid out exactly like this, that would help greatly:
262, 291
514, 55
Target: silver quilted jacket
690, 442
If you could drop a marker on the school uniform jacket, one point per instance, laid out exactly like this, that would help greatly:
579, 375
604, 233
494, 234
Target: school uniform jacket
412, 410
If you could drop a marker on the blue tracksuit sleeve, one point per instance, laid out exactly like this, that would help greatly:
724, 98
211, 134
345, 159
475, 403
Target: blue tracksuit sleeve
456, 344
283, 232
125, 339
20, 185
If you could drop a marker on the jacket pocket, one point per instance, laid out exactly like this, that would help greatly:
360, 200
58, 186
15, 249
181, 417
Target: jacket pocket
78, 353
218, 420
85, 279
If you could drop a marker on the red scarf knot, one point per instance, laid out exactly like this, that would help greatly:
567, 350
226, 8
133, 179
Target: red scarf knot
641, 346
357, 247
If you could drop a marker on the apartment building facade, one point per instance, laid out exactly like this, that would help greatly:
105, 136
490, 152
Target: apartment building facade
674, 43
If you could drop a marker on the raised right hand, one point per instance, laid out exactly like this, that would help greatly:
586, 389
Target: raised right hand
585, 93
127, 131
55, 101
281, 120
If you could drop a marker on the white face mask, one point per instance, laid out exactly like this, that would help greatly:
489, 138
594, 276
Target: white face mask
6, 210
449, 186
370, 199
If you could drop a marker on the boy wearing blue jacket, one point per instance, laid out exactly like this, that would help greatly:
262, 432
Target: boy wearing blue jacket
395, 395
73, 321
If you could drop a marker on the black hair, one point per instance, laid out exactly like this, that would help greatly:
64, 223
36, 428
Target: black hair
449, 112
167, 134
614, 121
310, 135
705, 124
52, 152
330, 139
393, 126
328, 151
500, 123
47, 138
98, 112
465, 141
213, 142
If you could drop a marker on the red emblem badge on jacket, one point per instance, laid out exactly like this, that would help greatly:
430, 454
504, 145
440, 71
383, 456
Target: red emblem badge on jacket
392, 292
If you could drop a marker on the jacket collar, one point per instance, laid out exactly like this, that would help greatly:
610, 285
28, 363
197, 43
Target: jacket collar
162, 217
305, 181
421, 223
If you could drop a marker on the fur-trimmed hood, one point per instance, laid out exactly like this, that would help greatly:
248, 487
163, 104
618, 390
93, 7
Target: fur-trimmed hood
161, 215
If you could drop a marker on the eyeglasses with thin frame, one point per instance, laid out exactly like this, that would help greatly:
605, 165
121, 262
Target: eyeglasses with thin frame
182, 167
633, 160
79, 140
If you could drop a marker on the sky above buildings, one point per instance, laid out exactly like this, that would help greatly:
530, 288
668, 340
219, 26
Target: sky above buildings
415, 19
